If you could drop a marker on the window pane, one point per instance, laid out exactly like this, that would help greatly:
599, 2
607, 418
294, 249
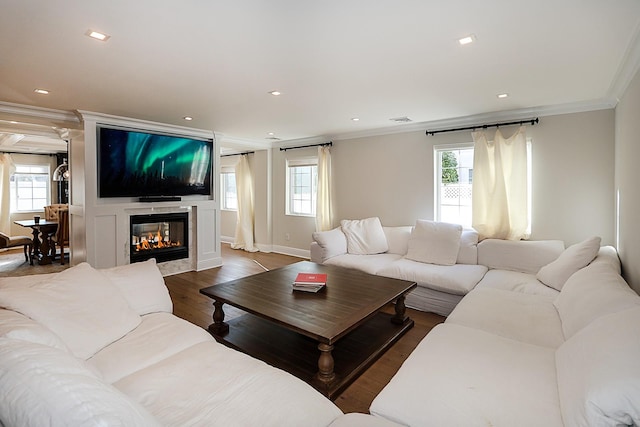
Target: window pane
30, 188
454, 178
302, 190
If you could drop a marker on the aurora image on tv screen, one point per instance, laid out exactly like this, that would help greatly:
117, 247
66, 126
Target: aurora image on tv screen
133, 163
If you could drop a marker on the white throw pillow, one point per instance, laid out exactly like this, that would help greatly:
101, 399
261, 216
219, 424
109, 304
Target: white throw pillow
599, 373
332, 242
572, 259
364, 236
44, 386
81, 305
434, 242
142, 285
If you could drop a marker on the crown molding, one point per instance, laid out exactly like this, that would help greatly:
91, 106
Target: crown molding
40, 114
236, 143
628, 67
476, 119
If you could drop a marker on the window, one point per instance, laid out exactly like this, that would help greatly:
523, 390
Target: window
29, 188
454, 176
228, 190
302, 182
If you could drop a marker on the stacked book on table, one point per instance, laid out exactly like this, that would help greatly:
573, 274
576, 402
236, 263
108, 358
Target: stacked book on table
310, 282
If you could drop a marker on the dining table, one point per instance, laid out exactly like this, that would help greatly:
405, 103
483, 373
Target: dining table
43, 231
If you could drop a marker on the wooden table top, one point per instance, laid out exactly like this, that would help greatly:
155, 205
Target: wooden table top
31, 223
348, 300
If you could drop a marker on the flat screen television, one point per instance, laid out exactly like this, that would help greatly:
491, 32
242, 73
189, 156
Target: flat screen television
138, 163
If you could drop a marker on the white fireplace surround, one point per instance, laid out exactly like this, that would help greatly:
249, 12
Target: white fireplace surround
100, 228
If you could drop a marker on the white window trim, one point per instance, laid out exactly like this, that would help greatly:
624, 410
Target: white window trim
437, 167
226, 170
303, 161
46, 168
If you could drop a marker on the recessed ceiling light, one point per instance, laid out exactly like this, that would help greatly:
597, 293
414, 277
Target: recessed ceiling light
502, 95
466, 40
97, 35
355, 119
188, 118
41, 91
275, 93
270, 133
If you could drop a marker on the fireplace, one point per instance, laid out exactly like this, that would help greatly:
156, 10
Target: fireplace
163, 236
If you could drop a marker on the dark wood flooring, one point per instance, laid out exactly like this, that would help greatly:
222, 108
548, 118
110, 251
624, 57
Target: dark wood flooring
196, 308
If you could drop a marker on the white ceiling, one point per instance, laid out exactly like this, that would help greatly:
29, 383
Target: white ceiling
332, 60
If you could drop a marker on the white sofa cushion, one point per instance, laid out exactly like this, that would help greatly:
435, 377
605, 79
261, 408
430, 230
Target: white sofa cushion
515, 281
531, 319
434, 242
80, 305
599, 373
459, 376
368, 263
364, 236
18, 326
524, 255
398, 239
592, 292
160, 335
556, 273
233, 389
142, 285
332, 242
456, 279
45, 386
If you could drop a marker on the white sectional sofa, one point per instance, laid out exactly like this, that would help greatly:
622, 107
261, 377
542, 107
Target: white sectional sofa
491, 263
506, 358
546, 336
88, 347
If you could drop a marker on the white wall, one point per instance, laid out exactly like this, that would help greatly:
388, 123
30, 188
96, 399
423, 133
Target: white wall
626, 179
391, 176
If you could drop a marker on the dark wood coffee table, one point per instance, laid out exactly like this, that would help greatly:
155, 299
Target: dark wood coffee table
326, 338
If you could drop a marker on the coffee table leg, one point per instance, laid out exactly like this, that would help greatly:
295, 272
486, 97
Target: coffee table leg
218, 327
400, 318
325, 363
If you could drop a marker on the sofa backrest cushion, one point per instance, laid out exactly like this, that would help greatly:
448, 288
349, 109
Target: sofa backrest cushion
142, 285
468, 253
599, 374
434, 242
80, 305
364, 236
592, 292
398, 239
526, 256
608, 255
18, 326
332, 242
572, 259
43, 385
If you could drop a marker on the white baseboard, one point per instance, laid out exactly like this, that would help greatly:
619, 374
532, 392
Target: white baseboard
285, 250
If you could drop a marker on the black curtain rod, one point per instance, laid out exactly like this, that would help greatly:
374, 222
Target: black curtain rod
521, 122
238, 154
330, 143
30, 154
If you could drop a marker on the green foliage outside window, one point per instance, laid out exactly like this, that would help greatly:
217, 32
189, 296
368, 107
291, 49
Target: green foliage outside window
449, 168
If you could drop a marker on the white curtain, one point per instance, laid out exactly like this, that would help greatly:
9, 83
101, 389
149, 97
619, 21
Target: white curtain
500, 198
324, 213
6, 169
245, 224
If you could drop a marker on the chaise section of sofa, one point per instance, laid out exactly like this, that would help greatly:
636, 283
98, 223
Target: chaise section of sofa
89, 347
507, 357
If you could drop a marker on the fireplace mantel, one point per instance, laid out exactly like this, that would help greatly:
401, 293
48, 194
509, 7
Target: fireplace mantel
100, 227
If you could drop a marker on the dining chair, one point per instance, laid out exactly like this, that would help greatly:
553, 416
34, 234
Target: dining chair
61, 236
16, 241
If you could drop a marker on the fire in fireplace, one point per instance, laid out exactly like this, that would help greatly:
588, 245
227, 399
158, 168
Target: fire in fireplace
160, 236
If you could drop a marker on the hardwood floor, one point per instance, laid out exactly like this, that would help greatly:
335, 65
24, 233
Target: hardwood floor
198, 309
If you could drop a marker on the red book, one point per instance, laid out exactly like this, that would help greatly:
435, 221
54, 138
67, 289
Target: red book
313, 279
